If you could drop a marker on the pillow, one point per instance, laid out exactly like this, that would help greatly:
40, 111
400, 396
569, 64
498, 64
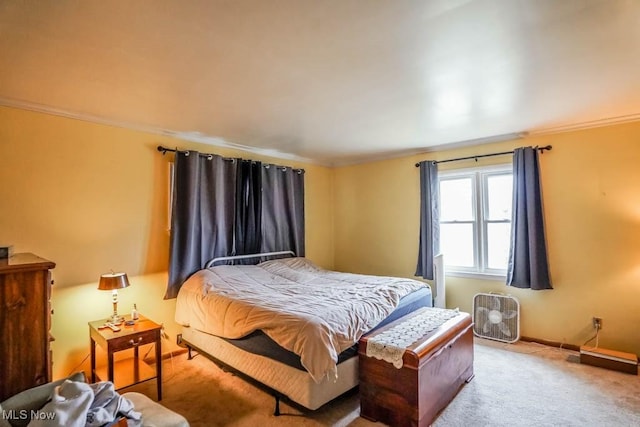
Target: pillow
32, 399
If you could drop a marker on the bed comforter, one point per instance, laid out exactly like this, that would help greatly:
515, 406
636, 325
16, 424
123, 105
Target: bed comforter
312, 312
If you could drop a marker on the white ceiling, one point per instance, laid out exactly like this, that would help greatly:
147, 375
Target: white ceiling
335, 81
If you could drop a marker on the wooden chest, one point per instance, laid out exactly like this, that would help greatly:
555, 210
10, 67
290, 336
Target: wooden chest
434, 368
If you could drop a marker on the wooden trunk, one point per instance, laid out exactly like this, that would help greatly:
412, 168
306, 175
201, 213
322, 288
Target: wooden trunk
434, 368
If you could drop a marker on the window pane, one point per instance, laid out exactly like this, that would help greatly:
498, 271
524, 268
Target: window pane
456, 243
456, 199
498, 237
499, 197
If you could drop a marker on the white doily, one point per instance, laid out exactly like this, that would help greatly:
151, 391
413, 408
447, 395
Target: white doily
391, 344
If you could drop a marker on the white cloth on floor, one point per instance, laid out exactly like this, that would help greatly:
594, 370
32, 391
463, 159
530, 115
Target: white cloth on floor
108, 404
77, 404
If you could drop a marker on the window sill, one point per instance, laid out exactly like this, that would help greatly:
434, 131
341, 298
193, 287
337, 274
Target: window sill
476, 275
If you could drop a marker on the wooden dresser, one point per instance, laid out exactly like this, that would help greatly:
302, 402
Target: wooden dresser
25, 322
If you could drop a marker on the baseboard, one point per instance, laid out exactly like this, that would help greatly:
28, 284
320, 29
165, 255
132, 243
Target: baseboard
151, 359
551, 343
585, 352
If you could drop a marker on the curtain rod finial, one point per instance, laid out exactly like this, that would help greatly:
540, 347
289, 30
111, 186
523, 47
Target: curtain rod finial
543, 149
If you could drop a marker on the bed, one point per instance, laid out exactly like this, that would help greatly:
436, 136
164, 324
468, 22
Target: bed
290, 325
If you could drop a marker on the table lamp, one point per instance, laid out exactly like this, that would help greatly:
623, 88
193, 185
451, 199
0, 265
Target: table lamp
112, 282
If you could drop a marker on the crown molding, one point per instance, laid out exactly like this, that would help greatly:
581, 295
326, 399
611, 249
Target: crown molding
353, 160
574, 127
478, 141
186, 136
425, 150
609, 121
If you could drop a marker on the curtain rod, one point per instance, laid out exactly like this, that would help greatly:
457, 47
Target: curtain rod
164, 151
541, 149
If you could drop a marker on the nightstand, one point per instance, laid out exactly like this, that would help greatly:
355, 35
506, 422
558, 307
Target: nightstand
133, 370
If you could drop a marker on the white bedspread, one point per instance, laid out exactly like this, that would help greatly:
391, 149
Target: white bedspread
312, 312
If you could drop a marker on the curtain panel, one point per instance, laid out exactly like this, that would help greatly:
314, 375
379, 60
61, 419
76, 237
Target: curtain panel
247, 234
227, 207
429, 239
282, 210
203, 214
528, 265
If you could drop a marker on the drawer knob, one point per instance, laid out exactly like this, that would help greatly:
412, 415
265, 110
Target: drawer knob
134, 343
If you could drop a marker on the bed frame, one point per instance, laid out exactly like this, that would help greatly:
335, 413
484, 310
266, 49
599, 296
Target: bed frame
278, 379
235, 257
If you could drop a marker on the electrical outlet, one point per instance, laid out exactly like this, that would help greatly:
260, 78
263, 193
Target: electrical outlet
597, 323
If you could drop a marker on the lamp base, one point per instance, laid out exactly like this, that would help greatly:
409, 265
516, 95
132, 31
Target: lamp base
115, 319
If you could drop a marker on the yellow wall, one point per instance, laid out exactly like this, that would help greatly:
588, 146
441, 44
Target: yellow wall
591, 186
91, 198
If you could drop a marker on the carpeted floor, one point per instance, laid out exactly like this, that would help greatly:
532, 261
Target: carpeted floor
522, 384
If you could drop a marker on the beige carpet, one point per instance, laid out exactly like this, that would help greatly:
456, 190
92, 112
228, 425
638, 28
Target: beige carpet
523, 384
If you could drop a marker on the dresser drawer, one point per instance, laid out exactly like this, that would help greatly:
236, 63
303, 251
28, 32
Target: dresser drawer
133, 340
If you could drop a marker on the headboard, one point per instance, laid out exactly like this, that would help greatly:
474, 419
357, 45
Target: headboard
234, 257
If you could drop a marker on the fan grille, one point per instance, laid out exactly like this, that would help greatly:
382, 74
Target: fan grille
496, 317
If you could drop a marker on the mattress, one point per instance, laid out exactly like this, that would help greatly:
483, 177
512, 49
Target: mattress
257, 355
261, 344
315, 313
292, 381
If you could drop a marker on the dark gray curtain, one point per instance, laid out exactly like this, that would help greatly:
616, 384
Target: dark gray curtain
528, 266
203, 214
231, 206
282, 210
429, 245
247, 236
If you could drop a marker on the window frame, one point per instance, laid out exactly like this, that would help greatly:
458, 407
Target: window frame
479, 179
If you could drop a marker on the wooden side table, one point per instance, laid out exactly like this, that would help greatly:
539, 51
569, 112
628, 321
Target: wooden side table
133, 370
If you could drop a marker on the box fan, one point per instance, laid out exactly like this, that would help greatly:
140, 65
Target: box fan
496, 317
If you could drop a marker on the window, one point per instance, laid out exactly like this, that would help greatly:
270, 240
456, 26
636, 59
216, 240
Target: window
475, 219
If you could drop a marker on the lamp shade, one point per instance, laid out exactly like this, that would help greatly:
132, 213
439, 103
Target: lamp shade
111, 281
